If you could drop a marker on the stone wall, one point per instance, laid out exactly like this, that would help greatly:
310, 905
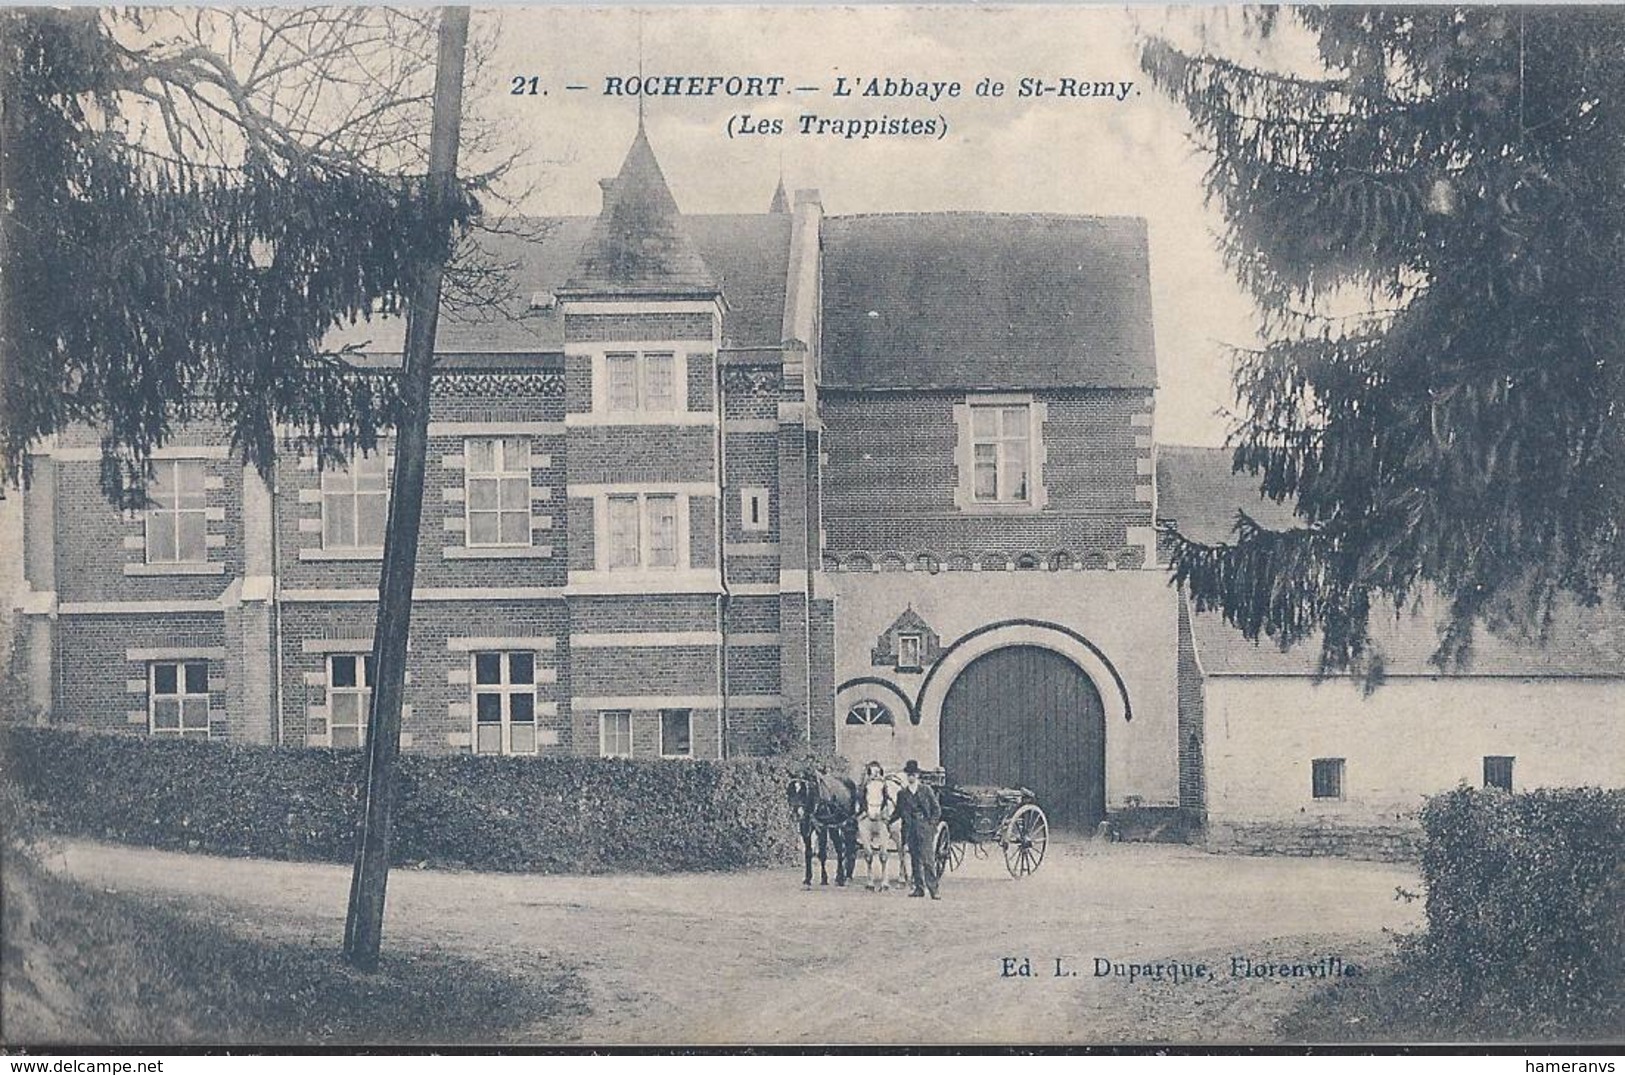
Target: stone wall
1400, 842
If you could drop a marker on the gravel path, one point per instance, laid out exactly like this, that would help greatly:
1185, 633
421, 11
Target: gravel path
752, 958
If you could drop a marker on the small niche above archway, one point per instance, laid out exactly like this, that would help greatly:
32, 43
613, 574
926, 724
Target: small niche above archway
908, 645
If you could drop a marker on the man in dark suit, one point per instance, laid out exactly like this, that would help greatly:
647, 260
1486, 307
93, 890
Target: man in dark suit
918, 807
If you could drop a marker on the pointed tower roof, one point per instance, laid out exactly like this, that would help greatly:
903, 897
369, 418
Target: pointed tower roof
781, 201
639, 244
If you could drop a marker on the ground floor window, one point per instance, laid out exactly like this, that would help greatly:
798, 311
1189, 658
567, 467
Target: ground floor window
1498, 771
676, 727
867, 713
1326, 776
349, 698
178, 699
504, 703
615, 734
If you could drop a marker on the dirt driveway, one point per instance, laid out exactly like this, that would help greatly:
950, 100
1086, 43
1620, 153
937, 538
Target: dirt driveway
752, 958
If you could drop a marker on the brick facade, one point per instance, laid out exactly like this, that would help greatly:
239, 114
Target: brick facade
658, 521
894, 484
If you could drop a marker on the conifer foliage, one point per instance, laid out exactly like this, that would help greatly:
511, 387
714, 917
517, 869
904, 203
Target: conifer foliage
150, 280
1456, 175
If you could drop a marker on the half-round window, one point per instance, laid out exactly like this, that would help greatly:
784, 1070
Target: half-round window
868, 712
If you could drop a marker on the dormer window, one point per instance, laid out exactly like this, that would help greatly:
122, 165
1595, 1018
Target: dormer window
910, 652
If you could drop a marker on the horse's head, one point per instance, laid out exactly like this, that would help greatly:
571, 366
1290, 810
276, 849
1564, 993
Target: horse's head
801, 792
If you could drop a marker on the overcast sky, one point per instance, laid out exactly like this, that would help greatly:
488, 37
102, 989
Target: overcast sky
1087, 156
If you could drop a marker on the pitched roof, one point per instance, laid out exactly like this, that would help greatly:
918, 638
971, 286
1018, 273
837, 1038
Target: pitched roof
1199, 494
986, 300
1582, 642
747, 254
638, 245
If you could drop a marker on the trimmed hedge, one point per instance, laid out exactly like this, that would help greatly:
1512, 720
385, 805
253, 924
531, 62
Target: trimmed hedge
540, 815
1525, 904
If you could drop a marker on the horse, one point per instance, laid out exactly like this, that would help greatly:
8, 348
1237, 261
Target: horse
826, 805
905, 871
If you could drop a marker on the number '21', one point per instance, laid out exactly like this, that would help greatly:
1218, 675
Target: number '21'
526, 87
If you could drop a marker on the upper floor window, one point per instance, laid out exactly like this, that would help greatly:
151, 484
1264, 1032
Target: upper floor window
355, 503
178, 699
177, 520
641, 381
1001, 452
349, 698
643, 531
496, 490
1498, 771
504, 703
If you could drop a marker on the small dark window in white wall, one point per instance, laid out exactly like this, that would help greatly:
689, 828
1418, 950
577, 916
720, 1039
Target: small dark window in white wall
1498, 771
1326, 776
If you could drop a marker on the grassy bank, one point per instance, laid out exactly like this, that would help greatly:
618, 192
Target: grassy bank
83, 966
1398, 1000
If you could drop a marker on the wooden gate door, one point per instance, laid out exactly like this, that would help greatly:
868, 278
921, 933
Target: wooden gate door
1025, 716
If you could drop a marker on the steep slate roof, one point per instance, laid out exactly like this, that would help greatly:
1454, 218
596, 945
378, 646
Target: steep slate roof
638, 245
1197, 492
986, 300
747, 254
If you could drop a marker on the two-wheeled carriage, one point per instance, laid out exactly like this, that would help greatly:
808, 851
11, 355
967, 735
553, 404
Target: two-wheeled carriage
979, 818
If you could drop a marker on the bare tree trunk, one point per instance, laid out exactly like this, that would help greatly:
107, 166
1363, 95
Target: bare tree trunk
363, 926
10, 127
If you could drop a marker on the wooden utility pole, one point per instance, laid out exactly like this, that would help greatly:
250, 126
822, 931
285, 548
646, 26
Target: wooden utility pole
363, 926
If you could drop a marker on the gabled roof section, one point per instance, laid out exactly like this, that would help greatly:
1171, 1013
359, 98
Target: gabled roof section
1200, 495
1582, 642
638, 245
986, 300
749, 254
908, 621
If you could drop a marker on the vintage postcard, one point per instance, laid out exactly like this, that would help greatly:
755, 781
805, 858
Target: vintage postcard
822, 621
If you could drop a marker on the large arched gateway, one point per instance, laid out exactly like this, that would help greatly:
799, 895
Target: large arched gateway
1027, 716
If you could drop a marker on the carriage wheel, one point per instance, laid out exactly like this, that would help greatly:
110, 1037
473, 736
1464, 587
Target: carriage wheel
944, 845
1026, 836
956, 855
